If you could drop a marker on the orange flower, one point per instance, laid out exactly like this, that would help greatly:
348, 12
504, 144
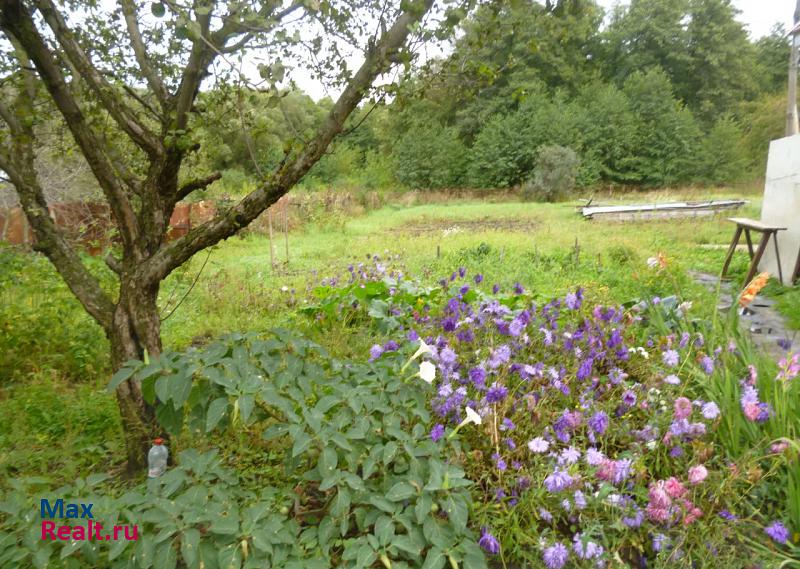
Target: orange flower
753, 288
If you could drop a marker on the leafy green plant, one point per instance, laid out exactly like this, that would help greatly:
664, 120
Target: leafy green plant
368, 482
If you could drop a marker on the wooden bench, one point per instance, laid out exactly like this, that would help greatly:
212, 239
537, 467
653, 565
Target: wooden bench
744, 225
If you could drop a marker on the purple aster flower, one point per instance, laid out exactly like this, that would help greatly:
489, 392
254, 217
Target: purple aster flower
671, 358
707, 364
726, 515
765, 412
585, 548
499, 356
499, 462
599, 422
676, 452
375, 352
629, 398
391, 346
538, 445
580, 499
679, 427
569, 455
465, 335
557, 481
478, 278
495, 289
555, 556
778, 532
785, 344
462, 271
489, 542
622, 470
412, 336
496, 393
449, 324
463, 290
585, 369
710, 410
518, 288
659, 542
447, 357
437, 433
507, 425
594, 457
572, 301
635, 520
545, 515
672, 380
616, 375
478, 377
516, 327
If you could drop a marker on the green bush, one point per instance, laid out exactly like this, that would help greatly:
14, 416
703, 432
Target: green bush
554, 176
356, 442
429, 156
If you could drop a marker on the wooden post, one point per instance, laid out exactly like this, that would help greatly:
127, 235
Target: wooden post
286, 226
271, 250
791, 103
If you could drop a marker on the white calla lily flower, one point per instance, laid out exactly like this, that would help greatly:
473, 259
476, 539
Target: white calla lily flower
427, 371
472, 416
423, 349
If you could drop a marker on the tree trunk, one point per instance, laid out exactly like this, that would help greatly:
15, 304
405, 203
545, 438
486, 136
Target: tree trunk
135, 329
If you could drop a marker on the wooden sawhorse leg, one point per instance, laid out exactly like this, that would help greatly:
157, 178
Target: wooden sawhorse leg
762, 246
736, 235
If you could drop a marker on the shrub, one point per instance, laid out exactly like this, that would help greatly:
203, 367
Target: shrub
429, 156
367, 478
554, 176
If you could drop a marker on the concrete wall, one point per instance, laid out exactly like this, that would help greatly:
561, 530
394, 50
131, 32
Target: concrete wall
782, 204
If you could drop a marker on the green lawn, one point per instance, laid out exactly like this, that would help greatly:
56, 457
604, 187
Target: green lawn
532, 243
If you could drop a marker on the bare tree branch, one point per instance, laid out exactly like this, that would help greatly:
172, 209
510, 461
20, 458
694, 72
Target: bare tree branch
197, 184
378, 59
17, 23
18, 164
112, 102
145, 65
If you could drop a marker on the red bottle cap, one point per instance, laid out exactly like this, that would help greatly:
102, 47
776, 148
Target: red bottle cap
159, 441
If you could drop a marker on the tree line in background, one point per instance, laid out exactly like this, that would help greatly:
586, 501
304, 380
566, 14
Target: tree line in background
657, 93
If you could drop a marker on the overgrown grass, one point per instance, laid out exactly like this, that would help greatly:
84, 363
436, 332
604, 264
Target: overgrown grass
47, 340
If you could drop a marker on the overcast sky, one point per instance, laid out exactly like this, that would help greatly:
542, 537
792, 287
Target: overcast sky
758, 15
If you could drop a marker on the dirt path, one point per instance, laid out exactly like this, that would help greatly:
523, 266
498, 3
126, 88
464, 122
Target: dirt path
766, 325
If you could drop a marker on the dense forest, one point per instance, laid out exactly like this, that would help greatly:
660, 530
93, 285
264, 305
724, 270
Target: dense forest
652, 93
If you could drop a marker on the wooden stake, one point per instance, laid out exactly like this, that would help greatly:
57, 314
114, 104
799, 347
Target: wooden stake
286, 227
271, 250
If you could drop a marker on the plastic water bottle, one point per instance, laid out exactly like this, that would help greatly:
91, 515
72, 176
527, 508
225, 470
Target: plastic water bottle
157, 459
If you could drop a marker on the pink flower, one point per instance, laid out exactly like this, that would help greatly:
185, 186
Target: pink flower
657, 514
789, 367
692, 516
607, 470
697, 474
779, 447
751, 411
683, 408
674, 488
658, 495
